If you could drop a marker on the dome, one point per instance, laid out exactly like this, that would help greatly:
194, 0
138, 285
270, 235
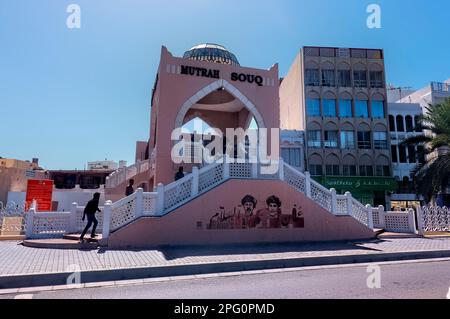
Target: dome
211, 53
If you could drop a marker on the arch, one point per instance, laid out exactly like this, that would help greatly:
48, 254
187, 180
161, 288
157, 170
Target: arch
311, 65
378, 97
362, 97
409, 123
365, 160
211, 88
375, 67
359, 67
347, 126
345, 96
330, 126
312, 95
364, 127
392, 123
382, 160
332, 159
380, 128
315, 159
329, 95
344, 66
349, 160
327, 65
314, 126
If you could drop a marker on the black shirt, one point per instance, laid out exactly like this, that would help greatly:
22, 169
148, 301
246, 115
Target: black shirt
91, 207
129, 190
179, 175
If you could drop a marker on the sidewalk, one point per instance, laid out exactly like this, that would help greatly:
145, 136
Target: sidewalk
26, 267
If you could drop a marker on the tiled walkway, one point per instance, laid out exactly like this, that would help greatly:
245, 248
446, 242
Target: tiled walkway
16, 259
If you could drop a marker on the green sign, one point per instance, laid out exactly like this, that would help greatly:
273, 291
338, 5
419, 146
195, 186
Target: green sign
359, 183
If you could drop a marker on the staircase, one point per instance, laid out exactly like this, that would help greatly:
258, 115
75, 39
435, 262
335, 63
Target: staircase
168, 198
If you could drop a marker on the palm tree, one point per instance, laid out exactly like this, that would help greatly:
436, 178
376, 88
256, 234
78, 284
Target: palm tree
433, 175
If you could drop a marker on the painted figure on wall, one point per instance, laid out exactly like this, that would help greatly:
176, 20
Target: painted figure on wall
246, 216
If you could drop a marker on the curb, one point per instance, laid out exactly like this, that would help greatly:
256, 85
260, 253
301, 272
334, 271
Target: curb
110, 275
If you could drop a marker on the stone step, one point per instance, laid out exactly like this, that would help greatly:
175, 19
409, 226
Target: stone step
76, 237
390, 235
59, 243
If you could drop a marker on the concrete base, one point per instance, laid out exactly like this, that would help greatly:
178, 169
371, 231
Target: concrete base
68, 242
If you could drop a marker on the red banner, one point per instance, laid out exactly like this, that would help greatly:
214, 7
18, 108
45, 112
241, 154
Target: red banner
40, 191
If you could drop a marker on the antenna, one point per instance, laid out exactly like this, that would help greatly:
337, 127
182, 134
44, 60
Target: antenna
400, 89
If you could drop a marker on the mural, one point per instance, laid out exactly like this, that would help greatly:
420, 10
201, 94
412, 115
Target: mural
247, 216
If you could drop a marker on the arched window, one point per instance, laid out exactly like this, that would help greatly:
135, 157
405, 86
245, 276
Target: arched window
382, 166
380, 137
400, 125
329, 105
349, 166
417, 123
313, 105
347, 136
331, 135
364, 137
359, 75
378, 107
345, 105
361, 106
344, 77
332, 166
409, 123
391, 123
365, 166
314, 137
315, 165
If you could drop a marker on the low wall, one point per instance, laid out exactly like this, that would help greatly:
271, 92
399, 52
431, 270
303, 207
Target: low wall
288, 217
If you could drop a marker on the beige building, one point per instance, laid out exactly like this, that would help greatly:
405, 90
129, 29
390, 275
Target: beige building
338, 97
14, 175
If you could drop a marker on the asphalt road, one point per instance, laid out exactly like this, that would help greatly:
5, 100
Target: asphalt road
424, 279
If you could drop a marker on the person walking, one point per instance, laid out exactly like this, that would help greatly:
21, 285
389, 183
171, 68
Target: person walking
89, 211
180, 174
129, 190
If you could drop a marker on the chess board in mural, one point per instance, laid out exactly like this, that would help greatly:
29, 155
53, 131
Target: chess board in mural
249, 213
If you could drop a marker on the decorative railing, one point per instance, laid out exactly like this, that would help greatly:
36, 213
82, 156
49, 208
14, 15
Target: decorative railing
169, 197
121, 175
397, 222
433, 219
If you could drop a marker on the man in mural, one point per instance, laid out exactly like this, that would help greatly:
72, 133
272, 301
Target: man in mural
270, 217
250, 218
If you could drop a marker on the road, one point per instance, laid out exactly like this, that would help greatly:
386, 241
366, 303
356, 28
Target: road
419, 279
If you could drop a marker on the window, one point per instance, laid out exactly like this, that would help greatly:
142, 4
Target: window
364, 141
360, 79
412, 154
402, 154
417, 123
313, 107
380, 140
376, 79
347, 139
394, 153
421, 154
383, 170
314, 139
400, 126
409, 124
349, 170
361, 109
378, 109
345, 108
365, 170
328, 78
312, 77
315, 170
332, 170
331, 139
344, 79
329, 107
391, 123
291, 156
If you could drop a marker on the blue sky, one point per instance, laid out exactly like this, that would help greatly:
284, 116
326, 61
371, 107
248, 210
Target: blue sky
69, 96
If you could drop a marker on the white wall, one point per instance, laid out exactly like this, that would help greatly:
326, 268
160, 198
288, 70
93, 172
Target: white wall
65, 198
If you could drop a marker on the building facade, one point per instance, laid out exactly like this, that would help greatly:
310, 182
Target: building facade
403, 120
434, 93
338, 97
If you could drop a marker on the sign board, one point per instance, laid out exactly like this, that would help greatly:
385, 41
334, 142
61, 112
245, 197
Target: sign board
40, 191
30, 173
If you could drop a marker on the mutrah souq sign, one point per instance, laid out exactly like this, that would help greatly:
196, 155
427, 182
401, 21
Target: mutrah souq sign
215, 74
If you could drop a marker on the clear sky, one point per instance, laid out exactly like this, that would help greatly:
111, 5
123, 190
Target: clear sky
69, 96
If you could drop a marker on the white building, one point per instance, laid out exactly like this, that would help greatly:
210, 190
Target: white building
102, 165
403, 119
435, 92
